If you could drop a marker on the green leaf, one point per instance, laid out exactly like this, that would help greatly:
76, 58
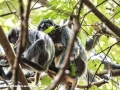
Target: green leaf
116, 10
91, 18
93, 88
82, 37
94, 65
72, 70
104, 41
50, 29
46, 80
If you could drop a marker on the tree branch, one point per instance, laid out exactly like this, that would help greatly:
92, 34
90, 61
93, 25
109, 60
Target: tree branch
106, 21
22, 38
113, 72
99, 82
11, 57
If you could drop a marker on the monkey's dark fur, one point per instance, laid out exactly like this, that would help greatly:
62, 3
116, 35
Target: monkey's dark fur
62, 35
40, 50
39, 53
13, 35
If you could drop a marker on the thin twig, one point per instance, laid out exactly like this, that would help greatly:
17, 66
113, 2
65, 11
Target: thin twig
33, 5
6, 14
95, 6
106, 49
103, 18
10, 8
116, 2
100, 65
99, 82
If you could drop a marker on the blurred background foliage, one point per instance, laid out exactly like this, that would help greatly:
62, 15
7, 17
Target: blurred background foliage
61, 10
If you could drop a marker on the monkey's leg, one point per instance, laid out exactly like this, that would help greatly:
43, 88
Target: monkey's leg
35, 66
36, 57
35, 51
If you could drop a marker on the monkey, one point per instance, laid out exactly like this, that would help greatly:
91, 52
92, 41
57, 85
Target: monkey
33, 50
40, 49
62, 35
39, 53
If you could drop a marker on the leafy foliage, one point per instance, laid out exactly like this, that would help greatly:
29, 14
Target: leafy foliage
61, 10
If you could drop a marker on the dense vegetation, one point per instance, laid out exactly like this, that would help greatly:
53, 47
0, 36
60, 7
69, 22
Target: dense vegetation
106, 49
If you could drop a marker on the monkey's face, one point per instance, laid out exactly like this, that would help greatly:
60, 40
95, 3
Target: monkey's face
13, 35
13, 40
45, 24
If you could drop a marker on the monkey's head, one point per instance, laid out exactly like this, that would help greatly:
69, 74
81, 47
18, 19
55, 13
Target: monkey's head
13, 35
45, 24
